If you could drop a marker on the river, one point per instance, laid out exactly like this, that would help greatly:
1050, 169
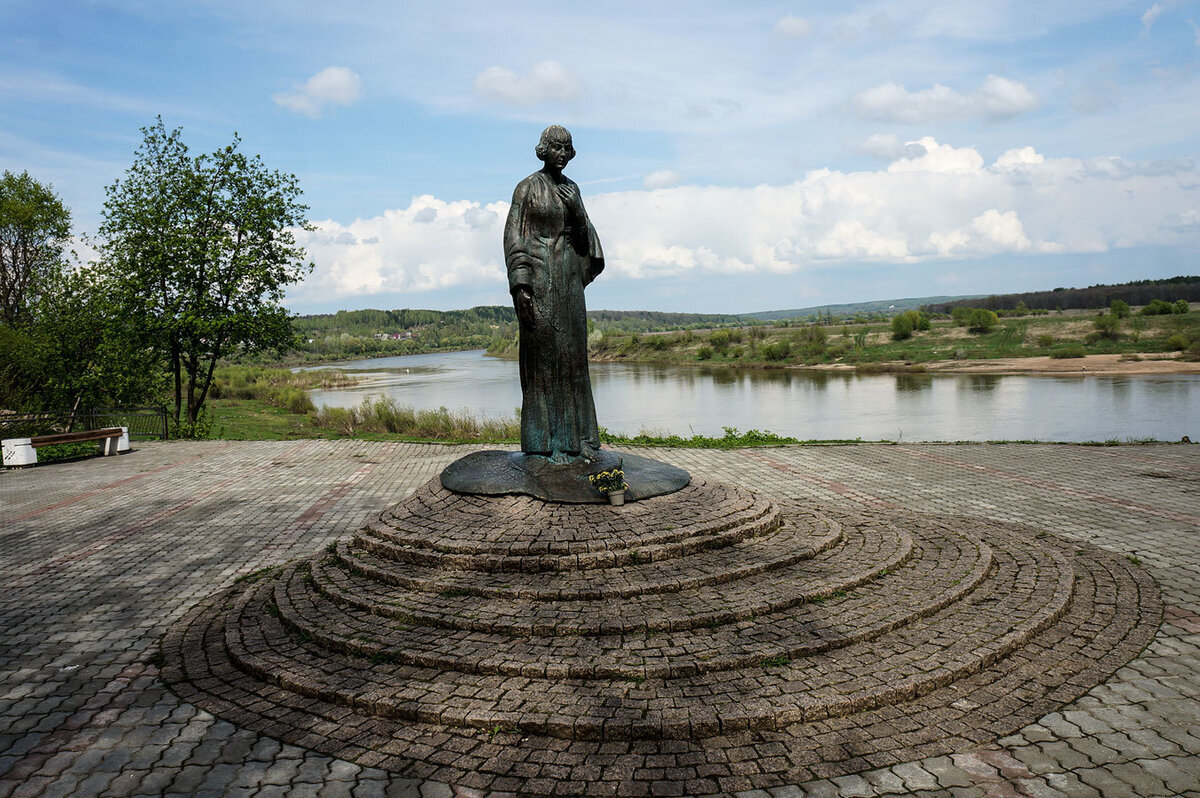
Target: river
809, 405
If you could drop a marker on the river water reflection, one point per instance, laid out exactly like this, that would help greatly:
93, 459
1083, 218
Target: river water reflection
807, 404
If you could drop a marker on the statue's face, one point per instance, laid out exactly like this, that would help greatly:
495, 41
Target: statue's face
559, 153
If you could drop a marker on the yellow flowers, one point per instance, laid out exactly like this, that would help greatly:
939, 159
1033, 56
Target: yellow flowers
609, 481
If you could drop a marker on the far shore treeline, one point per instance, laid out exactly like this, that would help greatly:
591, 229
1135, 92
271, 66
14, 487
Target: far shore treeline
1139, 292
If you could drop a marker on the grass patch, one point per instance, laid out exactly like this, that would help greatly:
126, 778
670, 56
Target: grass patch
256, 420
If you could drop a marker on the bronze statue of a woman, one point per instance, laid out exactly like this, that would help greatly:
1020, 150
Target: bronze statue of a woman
552, 253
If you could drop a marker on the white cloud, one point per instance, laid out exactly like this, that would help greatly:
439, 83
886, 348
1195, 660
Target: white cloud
1195, 31
936, 203
1003, 231
1019, 157
1151, 15
661, 178
851, 238
335, 85
549, 81
934, 157
791, 27
996, 98
431, 244
1000, 97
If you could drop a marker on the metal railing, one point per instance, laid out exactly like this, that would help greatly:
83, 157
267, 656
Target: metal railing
144, 423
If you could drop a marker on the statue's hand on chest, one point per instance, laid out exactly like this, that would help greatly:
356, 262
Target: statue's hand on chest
569, 194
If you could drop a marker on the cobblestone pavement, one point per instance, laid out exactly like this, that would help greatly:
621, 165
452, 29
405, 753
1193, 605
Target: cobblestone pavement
99, 557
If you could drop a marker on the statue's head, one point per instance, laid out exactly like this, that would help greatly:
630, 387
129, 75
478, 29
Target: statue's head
555, 134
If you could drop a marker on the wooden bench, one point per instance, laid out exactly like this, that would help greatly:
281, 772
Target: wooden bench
23, 451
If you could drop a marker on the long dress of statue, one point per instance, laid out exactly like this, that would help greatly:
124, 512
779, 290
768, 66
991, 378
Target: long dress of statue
552, 253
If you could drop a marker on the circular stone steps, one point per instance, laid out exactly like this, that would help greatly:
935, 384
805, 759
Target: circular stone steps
454, 620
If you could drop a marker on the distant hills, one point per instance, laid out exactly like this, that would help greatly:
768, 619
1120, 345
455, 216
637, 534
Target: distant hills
475, 326
885, 306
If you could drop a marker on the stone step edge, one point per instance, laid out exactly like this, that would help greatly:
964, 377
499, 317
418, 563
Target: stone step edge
384, 528
799, 710
295, 621
349, 559
608, 558
620, 623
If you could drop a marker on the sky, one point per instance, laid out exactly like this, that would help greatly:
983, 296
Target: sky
733, 157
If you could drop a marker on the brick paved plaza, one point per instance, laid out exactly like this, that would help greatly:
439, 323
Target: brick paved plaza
101, 557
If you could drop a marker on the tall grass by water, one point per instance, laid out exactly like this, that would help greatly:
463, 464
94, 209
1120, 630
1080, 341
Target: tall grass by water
277, 387
384, 416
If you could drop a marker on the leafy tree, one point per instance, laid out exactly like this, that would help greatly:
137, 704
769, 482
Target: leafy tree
982, 320
89, 353
1119, 308
1109, 325
34, 229
62, 343
902, 326
201, 249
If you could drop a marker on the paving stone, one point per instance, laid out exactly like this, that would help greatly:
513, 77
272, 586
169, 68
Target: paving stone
854, 786
1170, 773
947, 773
915, 777
108, 563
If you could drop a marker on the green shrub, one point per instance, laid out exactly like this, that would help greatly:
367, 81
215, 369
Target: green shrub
200, 429
704, 353
1136, 325
658, 342
1045, 339
1157, 307
1180, 306
1119, 308
1109, 326
780, 350
720, 339
1178, 342
812, 341
902, 327
1074, 350
982, 320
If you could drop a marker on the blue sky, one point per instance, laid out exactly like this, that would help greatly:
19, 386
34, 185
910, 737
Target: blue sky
733, 156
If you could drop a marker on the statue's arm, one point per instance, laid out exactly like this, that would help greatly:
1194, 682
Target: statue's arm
517, 257
595, 255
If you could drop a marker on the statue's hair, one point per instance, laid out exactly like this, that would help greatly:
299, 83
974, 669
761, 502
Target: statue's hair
554, 133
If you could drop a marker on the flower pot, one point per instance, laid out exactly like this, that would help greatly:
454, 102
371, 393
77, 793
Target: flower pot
616, 497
